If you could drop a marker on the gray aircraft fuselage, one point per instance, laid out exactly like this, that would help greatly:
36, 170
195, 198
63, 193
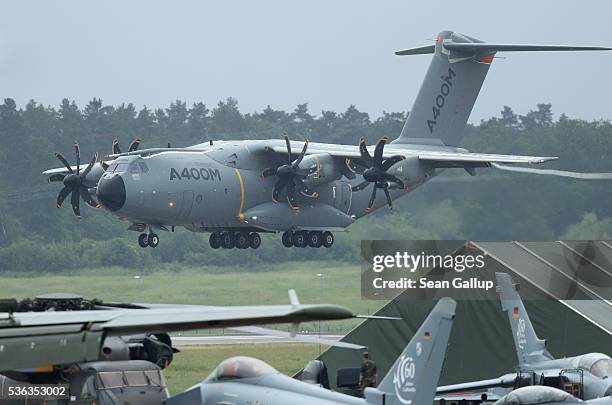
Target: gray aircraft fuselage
272, 389
596, 370
220, 187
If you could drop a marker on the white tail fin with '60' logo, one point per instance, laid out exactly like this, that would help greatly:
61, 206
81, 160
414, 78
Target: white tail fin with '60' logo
414, 377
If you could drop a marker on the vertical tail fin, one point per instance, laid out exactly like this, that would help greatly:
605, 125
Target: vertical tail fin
414, 376
529, 348
447, 95
452, 83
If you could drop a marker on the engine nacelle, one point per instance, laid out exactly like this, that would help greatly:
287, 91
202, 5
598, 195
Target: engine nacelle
324, 169
410, 171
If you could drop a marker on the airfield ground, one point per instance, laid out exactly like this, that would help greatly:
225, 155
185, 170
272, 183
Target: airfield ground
208, 286
214, 286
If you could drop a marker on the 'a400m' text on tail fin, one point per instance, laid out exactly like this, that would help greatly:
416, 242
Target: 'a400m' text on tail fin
414, 376
529, 348
447, 95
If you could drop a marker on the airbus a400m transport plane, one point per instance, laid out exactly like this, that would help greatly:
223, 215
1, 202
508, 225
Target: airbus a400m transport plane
238, 189
411, 380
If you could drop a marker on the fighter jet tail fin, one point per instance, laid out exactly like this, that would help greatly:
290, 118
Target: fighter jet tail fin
414, 376
452, 83
529, 348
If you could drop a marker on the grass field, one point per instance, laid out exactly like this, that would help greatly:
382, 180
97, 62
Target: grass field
213, 286
340, 284
195, 363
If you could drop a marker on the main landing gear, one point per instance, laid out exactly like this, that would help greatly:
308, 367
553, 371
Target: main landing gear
314, 239
230, 240
150, 239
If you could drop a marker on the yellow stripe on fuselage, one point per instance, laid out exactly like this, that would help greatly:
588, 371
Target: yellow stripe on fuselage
240, 211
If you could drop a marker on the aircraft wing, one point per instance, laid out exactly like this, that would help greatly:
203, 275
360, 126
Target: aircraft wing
256, 330
505, 381
482, 159
470, 397
32, 339
443, 157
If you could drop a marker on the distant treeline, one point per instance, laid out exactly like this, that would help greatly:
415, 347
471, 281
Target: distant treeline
35, 236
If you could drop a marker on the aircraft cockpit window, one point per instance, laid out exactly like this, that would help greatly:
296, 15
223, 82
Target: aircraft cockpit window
110, 379
136, 379
120, 168
240, 367
537, 394
134, 169
117, 167
598, 364
602, 368
143, 167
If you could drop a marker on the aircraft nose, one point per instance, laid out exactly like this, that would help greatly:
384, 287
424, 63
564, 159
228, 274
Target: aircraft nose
111, 193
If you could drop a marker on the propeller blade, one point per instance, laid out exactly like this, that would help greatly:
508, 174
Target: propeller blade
291, 190
89, 166
116, 148
303, 173
74, 201
389, 201
278, 187
303, 188
77, 151
356, 166
56, 177
61, 196
291, 196
390, 162
363, 150
301, 156
288, 143
134, 145
270, 171
104, 165
372, 198
361, 186
64, 161
87, 198
378, 151
393, 179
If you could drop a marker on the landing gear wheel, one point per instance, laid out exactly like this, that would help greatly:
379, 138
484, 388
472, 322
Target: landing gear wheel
242, 240
254, 240
315, 239
143, 240
328, 239
227, 240
153, 240
215, 240
299, 239
287, 239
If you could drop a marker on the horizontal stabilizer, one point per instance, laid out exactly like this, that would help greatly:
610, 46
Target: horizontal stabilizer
422, 50
484, 48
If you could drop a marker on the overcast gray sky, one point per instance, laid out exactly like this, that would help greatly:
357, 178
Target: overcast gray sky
327, 53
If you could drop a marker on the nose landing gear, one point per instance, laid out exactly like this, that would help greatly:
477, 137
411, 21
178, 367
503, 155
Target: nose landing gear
230, 240
314, 239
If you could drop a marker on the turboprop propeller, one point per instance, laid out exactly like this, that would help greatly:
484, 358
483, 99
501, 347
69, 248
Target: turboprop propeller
290, 176
374, 170
74, 182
